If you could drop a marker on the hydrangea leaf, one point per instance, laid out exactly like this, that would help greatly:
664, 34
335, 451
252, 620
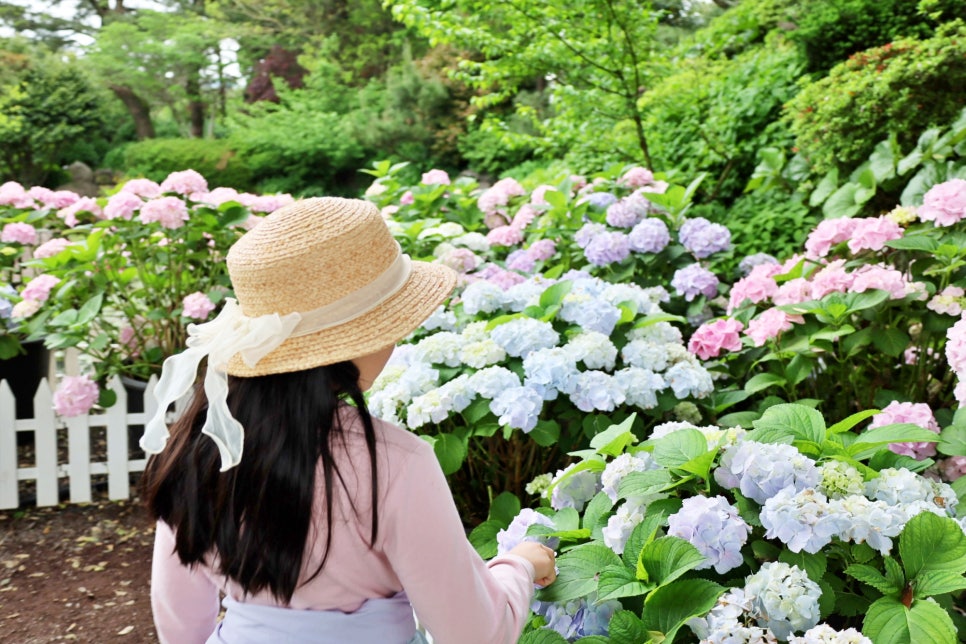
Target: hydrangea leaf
670, 607
849, 422
891, 341
743, 419
814, 565
555, 294
613, 440
938, 582
451, 452
483, 538
668, 558
644, 483
952, 440
542, 636
655, 517
618, 581
894, 573
798, 421
627, 628
872, 577
679, 447
504, 508
597, 511
700, 465
763, 381
930, 542
477, 410
657, 317
593, 639
872, 440
914, 242
579, 571
546, 433
890, 622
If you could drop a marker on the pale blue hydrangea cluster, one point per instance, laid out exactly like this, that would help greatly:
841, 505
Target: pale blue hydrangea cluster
474, 241
578, 618
761, 470
440, 320
517, 407
621, 524
599, 200
481, 297
716, 436
520, 336
440, 348
783, 598
689, 378
607, 248
589, 312
802, 520
903, 487
573, 490
825, 634
594, 349
596, 390
516, 533
650, 235
703, 238
550, 372
713, 526
731, 622
615, 471
640, 386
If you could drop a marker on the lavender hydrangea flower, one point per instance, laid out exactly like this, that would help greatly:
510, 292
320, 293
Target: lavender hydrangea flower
520, 336
607, 248
550, 371
579, 617
516, 533
621, 524
749, 262
482, 297
627, 212
596, 390
694, 280
688, 379
801, 520
726, 622
587, 233
761, 470
599, 200
573, 490
651, 235
713, 526
518, 407
703, 238
784, 599
640, 386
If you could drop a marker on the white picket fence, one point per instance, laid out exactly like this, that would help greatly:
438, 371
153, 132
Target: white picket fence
47, 471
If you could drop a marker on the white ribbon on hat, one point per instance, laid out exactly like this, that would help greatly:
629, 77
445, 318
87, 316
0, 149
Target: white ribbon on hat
232, 332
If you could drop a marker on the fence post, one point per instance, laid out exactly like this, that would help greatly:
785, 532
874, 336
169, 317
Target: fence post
79, 458
118, 480
9, 493
45, 437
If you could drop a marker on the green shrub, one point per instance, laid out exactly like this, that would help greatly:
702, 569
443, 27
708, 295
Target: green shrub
742, 26
216, 159
902, 88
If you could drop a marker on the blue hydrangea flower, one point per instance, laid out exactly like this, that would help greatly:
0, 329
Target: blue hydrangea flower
825, 634
783, 598
607, 248
761, 470
587, 233
801, 520
596, 390
645, 354
626, 212
456, 395
550, 371
482, 297
748, 263
647, 301
713, 526
694, 280
579, 617
518, 407
492, 380
865, 521
600, 200
573, 489
594, 349
650, 236
621, 524
589, 313
640, 386
726, 623
516, 533
703, 238
520, 296
688, 379
901, 486
520, 336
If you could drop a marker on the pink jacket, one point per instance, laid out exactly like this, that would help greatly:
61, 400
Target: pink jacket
421, 548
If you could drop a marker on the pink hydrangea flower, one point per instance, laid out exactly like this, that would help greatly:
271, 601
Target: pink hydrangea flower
39, 288
51, 247
521, 260
948, 302
956, 347
500, 276
127, 337
768, 325
876, 276
944, 203
505, 236
539, 195
758, 286
828, 233
19, 233
53, 199
217, 196
499, 195
711, 338
75, 396
197, 306
871, 233
122, 205
952, 468
142, 188
524, 216
185, 182
543, 249
407, 198
461, 260
832, 278
265, 203
13, 194
84, 204
915, 413
793, 291
170, 212
637, 178
435, 177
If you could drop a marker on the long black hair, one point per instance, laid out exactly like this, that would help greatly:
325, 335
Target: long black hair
256, 516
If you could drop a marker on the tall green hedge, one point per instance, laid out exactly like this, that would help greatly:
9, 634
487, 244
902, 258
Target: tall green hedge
216, 159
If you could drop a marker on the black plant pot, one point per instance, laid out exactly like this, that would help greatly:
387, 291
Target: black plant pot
23, 373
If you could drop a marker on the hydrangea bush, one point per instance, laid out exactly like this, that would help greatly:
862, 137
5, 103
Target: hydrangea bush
120, 277
790, 531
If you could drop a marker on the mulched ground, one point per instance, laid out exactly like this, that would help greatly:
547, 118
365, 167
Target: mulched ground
76, 573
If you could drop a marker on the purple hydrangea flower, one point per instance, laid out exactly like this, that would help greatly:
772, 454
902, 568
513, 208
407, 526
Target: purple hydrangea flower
516, 533
587, 233
600, 200
518, 407
627, 212
713, 526
607, 248
649, 236
579, 617
703, 238
575, 490
694, 280
748, 263
762, 470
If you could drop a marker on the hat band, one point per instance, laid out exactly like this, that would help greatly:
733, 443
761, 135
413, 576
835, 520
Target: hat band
231, 333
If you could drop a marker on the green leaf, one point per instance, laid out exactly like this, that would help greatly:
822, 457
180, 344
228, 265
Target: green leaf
504, 508
542, 636
613, 440
668, 558
90, 309
644, 483
64, 318
872, 577
555, 294
477, 410
842, 202
891, 341
679, 447
669, 607
618, 581
451, 451
939, 582
579, 569
627, 628
597, 511
952, 440
871, 440
546, 433
929, 542
888, 621
483, 538
700, 465
814, 565
914, 242
763, 381
799, 421
825, 187
849, 422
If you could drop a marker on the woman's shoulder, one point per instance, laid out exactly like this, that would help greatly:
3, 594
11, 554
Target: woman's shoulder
392, 436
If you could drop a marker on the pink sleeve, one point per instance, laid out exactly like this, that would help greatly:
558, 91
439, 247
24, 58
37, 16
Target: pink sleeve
457, 596
184, 600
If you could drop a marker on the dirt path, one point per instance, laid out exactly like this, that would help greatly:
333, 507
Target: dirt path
76, 573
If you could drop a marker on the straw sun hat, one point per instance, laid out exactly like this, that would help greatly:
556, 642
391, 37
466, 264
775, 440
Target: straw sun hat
317, 252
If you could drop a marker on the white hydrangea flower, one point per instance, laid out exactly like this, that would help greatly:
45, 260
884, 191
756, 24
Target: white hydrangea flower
491, 381
520, 296
475, 331
481, 353
726, 623
640, 386
825, 634
802, 520
645, 354
621, 524
898, 486
445, 229
783, 598
441, 348
658, 333
482, 297
687, 379
474, 241
866, 521
594, 349
620, 467
617, 293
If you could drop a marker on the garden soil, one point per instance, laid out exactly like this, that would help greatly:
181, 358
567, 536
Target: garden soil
76, 573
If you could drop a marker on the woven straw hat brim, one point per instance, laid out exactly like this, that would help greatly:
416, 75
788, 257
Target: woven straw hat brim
428, 286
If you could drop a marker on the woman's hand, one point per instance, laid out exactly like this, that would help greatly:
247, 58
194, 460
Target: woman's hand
544, 561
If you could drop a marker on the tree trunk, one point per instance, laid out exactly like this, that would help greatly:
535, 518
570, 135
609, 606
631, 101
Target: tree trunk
196, 107
139, 110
